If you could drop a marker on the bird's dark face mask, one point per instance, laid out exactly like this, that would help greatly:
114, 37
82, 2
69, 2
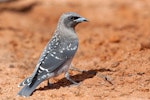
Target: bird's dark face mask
72, 21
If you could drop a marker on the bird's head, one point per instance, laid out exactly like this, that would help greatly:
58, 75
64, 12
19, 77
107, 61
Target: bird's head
70, 19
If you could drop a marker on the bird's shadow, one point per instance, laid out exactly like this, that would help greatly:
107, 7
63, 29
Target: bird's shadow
78, 78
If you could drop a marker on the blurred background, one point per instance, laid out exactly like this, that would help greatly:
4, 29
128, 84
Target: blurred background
114, 48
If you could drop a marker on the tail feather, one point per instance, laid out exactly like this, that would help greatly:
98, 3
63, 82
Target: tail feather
27, 90
26, 81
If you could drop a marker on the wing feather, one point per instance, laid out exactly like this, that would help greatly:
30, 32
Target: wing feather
52, 58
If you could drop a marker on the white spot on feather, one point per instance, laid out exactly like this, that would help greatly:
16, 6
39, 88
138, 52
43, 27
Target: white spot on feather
54, 52
61, 51
52, 55
44, 76
57, 58
43, 69
69, 45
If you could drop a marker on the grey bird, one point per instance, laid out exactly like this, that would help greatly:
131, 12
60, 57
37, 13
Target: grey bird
57, 56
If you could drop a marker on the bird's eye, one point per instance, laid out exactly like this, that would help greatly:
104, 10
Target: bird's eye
73, 17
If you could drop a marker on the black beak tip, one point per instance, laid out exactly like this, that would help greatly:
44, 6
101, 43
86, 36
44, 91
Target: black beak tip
85, 20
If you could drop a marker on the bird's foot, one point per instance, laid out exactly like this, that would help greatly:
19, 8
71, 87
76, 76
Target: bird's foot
69, 79
48, 84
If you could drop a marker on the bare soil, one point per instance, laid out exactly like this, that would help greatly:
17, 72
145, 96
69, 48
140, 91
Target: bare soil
114, 48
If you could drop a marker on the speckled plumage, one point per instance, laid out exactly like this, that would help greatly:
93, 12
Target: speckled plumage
57, 55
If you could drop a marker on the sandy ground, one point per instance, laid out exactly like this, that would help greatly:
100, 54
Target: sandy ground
114, 48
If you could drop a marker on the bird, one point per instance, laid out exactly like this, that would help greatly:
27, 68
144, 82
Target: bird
57, 55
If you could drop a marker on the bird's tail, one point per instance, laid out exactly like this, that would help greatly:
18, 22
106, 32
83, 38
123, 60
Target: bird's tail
27, 90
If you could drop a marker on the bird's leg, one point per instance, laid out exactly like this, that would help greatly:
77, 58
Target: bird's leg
48, 83
68, 78
76, 69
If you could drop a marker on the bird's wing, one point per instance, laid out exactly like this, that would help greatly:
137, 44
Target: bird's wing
55, 55
53, 58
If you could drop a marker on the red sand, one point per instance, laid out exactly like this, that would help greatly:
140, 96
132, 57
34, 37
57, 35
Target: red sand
114, 48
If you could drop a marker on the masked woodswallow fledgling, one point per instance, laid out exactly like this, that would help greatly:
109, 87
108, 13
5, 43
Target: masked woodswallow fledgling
57, 55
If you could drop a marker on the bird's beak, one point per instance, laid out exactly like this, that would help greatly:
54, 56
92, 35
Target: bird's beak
81, 19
